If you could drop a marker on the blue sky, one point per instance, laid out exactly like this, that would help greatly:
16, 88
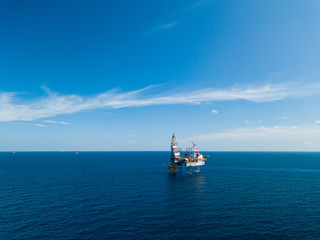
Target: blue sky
125, 75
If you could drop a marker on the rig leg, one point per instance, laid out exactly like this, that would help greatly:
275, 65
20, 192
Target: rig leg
172, 169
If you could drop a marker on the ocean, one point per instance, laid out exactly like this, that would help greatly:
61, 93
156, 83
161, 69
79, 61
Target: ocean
129, 195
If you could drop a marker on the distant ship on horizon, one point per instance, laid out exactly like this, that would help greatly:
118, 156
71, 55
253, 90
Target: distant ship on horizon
192, 159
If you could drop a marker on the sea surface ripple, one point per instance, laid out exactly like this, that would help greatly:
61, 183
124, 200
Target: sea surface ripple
129, 195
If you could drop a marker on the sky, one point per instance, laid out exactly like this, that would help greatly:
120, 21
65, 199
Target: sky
125, 75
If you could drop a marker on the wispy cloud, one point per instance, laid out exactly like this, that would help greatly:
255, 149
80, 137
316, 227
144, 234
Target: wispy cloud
163, 27
168, 25
172, 24
261, 132
32, 124
199, 4
13, 108
214, 111
55, 122
262, 138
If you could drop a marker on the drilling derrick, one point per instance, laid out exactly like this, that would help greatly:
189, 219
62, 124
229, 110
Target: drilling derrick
175, 153
174, 157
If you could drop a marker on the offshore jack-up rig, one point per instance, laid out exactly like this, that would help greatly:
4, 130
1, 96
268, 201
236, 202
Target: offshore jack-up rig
192, 159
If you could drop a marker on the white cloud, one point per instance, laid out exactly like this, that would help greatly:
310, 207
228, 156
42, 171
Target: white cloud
317, 122
262, 131
271, 138
200, 3
175, 23
309, 143
168, 25
259, 121
39, 125
32, 124
55, 122
214, 111
162, 27
284, 117
13, 108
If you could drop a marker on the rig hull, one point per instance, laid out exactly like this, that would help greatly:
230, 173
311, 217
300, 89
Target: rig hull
192, 158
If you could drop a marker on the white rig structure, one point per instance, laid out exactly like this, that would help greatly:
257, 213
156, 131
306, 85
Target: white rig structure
192, 158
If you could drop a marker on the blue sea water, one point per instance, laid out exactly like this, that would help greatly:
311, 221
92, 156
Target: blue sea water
129, 195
